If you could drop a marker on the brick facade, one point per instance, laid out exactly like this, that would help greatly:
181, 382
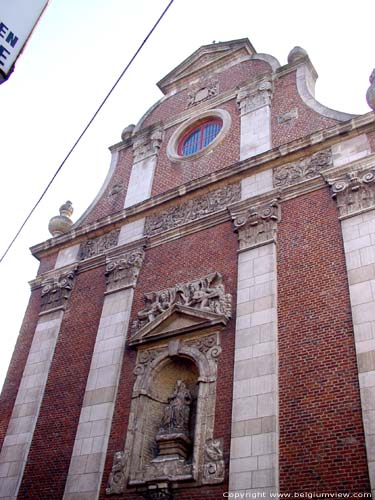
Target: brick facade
320, 416
253, 217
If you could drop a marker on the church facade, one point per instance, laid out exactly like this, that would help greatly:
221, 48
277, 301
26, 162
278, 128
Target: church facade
206, 329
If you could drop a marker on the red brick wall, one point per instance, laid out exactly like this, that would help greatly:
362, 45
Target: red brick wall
164, 266
51, 449
228, 79
17, 364
47, 263
322, 444
109, 204
172, 174
285, 98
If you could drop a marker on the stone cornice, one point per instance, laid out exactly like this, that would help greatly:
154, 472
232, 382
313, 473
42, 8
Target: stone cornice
275, 157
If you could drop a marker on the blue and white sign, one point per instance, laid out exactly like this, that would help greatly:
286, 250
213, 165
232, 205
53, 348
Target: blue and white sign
17, 21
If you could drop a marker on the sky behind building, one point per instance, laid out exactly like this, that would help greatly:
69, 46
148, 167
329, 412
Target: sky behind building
73, 58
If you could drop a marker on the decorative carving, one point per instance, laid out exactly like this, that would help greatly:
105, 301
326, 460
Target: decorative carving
56, 291
354, 191
258, 224
207, 345
303, 169
214, 467
286, 117
254, 97
96, 246
206, 293
116, 481
116, 188
177, 460
168, 470
123, 270
193, 209
147, 144
204, 90
157, 492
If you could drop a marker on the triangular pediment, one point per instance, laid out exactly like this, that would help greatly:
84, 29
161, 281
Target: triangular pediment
174, 321
205, 59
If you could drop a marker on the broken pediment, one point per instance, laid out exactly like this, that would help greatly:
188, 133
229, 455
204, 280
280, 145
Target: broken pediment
176, 320
206, 59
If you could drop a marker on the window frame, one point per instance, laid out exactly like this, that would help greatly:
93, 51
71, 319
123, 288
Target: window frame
188, 126
201, 126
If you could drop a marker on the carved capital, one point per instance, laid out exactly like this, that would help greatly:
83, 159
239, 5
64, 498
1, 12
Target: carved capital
117, 480
354, 191
98, 245
147, 144
254, 96
122, 271
257, 225
56, 291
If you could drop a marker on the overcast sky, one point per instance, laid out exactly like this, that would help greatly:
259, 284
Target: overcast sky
76, 53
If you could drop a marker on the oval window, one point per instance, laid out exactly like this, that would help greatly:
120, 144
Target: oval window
199, 137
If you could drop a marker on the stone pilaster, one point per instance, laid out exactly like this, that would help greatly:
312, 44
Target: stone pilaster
90, 447
354, 191
146, 146
254, 102
55, 295
254, 462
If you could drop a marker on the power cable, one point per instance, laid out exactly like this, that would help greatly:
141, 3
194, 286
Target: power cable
86, 128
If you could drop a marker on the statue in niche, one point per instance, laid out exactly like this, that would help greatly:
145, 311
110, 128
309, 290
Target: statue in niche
177, 412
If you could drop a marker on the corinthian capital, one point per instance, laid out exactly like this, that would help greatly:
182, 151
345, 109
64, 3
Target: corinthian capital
354, 191
254, 96
257, 225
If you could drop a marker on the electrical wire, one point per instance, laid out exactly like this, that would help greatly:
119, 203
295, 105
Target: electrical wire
86, 128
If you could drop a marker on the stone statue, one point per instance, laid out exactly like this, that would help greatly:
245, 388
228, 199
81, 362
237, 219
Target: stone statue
154, 306
177, 412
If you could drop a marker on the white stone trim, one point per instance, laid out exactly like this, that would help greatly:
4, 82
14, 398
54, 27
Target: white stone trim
140, 182
91, 441
179, 132
254, 444
305, 86
111, 171
26, 409
271, 60
359, 246
67, 256
350, 150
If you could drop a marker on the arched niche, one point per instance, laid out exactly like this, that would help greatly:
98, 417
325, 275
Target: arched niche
193, 360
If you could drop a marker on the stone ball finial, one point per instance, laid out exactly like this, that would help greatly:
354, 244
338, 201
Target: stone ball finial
296, 54
127, 132
370, 94
61, 224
